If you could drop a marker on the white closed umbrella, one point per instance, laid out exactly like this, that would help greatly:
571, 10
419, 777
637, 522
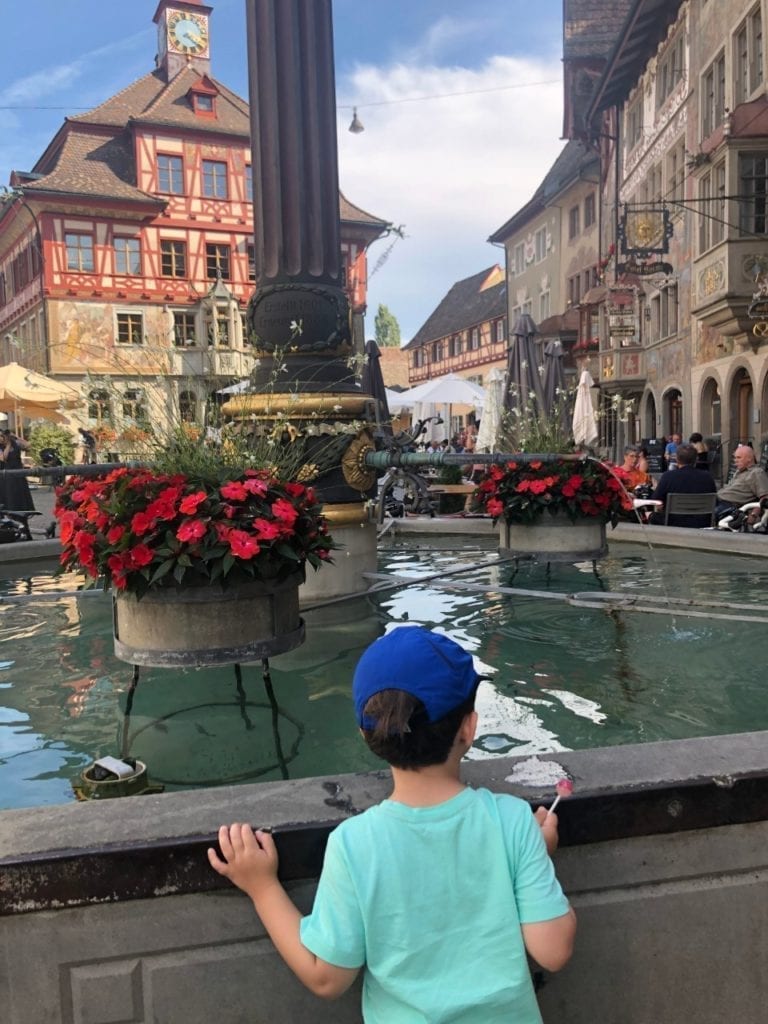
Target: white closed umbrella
490, 423
585, 431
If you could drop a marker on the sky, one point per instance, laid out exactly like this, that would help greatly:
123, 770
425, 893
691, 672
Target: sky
461, 101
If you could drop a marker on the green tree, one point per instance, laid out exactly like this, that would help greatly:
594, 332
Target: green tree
387, 328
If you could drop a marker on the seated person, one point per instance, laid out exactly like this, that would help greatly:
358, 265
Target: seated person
749, 483
702, 452
670, 451
636, 475
686, 479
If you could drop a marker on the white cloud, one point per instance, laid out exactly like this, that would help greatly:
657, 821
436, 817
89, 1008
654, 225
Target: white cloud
43, 83
451, 170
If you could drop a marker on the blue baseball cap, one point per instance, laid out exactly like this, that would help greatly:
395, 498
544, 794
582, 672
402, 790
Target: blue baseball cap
429, 666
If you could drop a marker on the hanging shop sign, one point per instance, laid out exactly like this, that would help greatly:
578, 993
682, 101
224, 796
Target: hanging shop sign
623, 317
647, 269
645, 231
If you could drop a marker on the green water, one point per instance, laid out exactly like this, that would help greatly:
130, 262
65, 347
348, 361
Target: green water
562, 677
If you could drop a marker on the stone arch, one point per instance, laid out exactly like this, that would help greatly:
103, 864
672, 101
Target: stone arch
649, 415
672, 410
710, 408
741, 406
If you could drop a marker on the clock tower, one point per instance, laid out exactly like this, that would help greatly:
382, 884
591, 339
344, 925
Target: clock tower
183, 36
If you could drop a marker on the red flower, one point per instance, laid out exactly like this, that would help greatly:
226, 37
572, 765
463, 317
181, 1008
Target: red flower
523, 486
113, 535
140, 555
494, 507
235, 491
242, 544
284, 512
142, 523
534, 465
539, 486
266, 530
257, 487
191, 529
188, 506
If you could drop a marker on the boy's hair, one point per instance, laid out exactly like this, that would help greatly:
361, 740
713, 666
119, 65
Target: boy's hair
411, 689
402, 734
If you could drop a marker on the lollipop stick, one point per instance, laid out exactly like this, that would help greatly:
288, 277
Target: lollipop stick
555, 802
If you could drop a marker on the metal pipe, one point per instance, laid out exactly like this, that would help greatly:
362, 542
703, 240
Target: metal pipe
387, 459
56, 474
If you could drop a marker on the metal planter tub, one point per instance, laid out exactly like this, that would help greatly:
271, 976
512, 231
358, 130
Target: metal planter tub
554, 538
199, 626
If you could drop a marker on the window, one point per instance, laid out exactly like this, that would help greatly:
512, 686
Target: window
676, 173
500, 331
3, 291
540, 244
519, 259
573, 222
437, 351
418, 358
222, 330
188, 406
133, 405
574, 290
251, 250
454, 345
753, 191
543, 306
184, 329
130, 328
748, 57
127, 256
249, 183
173, 258
217, 260
668, 311
589, 210
713, 96
215, 179
79, 253
203, 103
474, 339
170, 175
527, 308
99, 407
670, 71
634, 127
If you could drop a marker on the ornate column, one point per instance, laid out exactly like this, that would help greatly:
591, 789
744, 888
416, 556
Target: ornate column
299, 309
299, 318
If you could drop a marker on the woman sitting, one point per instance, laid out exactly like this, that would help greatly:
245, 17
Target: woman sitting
636, 475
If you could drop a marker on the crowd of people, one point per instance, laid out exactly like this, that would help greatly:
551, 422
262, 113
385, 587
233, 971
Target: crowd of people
688, 472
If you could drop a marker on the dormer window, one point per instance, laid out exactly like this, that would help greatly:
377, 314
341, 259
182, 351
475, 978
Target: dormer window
202, 97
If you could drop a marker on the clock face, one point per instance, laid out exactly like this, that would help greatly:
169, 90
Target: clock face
187, 33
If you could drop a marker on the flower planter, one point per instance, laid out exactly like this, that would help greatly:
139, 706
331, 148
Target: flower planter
198, 626
555, 538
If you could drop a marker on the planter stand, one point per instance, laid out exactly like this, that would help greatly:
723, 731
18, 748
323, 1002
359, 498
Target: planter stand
554, 539
192, 627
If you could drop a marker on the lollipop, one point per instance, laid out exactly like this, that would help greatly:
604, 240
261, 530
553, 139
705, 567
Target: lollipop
563, 788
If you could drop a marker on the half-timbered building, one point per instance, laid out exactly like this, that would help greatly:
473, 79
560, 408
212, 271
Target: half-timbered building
126, 253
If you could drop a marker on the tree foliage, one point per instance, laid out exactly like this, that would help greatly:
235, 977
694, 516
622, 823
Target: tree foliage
387, 328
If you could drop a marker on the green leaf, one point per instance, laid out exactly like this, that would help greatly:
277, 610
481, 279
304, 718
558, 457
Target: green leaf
216, 571
178, 572
162, 570
287, 552
227, 563
184, 560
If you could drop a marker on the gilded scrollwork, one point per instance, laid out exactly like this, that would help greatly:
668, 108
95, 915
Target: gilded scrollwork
353, 466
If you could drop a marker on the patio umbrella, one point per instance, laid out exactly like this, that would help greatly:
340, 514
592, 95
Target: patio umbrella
32, 395
396, 400
553, 385
450, 389
488, 434
585, 431
372, 382
523, 390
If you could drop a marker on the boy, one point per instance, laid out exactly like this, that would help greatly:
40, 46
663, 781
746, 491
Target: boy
440, 890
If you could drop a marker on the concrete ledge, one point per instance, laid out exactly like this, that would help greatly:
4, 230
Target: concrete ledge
77, 854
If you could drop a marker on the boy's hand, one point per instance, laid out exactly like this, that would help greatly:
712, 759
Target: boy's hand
548, 825
250, 858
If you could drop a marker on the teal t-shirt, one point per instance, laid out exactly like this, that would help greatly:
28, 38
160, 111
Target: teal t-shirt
431, 900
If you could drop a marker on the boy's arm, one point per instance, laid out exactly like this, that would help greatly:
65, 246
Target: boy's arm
251, 864
550, 942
